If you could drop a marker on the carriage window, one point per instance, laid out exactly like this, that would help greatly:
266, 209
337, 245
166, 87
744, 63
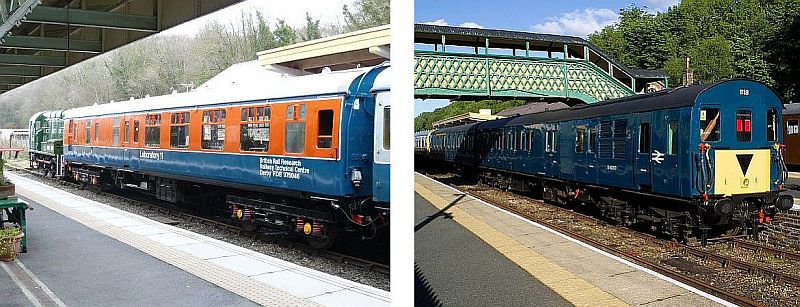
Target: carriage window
709, 125
152, 130
672, 138
88, 132
644, 138
325, 129
97, 132
116, 132
792, 126
136, 132
295, 129
386, 128
772, 125
580, 139
127, 131
213, 129
255, 129
743, 126
592, 140
179, 130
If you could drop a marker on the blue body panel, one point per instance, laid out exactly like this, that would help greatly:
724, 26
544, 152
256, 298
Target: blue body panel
669, 175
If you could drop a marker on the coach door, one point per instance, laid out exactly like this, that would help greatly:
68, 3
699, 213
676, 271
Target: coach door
643, 153
665, 149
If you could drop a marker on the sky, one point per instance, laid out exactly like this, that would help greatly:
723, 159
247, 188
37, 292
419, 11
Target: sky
294, 12
570, 17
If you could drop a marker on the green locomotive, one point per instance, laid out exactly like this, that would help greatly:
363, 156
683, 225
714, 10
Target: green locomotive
46, 143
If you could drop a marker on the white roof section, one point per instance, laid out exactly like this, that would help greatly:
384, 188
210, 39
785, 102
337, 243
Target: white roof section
383, 81
246, 73
233, 88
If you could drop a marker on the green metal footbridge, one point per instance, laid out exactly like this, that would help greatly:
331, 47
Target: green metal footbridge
466, 63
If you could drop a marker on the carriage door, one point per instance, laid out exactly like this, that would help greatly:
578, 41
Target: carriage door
381, 167
644, 154
665, 149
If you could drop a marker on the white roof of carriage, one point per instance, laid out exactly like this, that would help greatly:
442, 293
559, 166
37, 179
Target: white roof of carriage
249, 85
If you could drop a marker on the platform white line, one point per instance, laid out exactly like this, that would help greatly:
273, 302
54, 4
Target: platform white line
42, 285
32, 298
597, 250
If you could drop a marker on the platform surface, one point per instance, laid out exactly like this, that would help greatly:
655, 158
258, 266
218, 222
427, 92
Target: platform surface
91, 254
550, 268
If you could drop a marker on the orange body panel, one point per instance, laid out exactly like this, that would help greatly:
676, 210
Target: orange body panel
232, 122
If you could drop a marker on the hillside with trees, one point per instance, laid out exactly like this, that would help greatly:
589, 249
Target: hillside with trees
159, 64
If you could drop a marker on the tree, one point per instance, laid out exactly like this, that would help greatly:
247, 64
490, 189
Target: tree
366, 14
312, 30
284, 34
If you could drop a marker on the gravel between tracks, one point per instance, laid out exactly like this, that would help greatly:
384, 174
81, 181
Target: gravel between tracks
274, 249
759, 288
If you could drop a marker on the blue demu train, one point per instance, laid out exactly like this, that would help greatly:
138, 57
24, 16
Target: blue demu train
686, 160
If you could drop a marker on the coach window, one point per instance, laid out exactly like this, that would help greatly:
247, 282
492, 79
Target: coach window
127, 131
709, 125
295, 128
97, 132
593, 140
555, 138
152, 130
325, 128
88, 132
116, 132
254, 134
136, 132
672, 138
743, 125
580, 139
179, 130
792, 126
386, 125
213, 129
644, 138
772, 125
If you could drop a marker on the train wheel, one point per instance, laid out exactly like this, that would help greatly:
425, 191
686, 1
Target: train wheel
321, 242
250, 226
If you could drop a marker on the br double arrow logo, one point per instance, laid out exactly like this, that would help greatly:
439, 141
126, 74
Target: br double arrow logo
657, 157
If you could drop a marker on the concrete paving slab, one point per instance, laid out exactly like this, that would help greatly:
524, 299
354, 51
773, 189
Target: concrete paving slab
346, 298
288, 280
106, 215
205, 251
145, 230
123, 222
171, 239
246, 265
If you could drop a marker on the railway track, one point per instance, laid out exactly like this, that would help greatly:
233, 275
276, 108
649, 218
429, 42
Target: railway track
183, 214
706, 255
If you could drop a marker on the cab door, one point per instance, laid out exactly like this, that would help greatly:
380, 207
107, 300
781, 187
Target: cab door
382, 148
644, 155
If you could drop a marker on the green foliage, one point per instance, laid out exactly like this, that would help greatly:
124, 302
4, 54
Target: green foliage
6, 233
366, 14
284, 34
425, 120
723, 38
312, 30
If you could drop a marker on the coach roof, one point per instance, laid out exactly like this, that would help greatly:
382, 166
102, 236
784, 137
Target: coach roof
331, 83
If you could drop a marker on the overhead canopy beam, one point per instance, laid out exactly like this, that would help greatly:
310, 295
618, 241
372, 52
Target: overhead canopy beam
32, 60
95, 19
24, 71
16, 15
52, 43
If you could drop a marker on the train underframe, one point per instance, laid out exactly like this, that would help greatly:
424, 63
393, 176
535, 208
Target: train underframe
681, 219
49, 164
319, 220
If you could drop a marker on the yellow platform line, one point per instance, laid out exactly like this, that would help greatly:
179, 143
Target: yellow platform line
571, 287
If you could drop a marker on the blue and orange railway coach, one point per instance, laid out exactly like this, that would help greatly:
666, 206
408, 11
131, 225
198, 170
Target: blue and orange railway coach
308, 154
